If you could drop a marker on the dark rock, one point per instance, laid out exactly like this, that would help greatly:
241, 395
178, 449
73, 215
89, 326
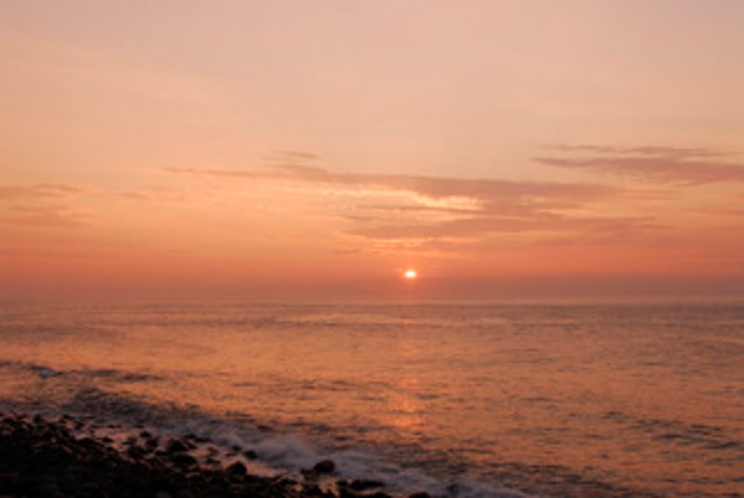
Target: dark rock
236, 469
365, 484
49, 489
152, 444
46, 459
347, 493
324, 467
90, 487
175, 446
183, 460
135, 452
420, 494
250, 454
195, 438
314, 491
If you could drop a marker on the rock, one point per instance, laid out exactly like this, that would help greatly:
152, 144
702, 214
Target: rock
420, 494
315, 492
365, 484
183, 460
194, 438
48, 373
324, 467
152, 444
135, 452
236, 469
90, 487
175, 446
45, 458
250, 454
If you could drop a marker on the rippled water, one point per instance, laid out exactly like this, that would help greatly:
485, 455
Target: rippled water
460, 399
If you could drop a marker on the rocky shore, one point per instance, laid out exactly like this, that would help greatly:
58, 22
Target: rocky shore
58, 459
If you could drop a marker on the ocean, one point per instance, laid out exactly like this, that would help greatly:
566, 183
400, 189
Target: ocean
456, 399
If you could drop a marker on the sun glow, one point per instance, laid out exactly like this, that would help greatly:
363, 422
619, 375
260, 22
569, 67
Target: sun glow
410, 274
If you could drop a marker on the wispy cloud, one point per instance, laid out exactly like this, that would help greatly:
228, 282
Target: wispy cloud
44, 205
39, 191
473, 226
426, 208
491, 191
671, 165
41, 217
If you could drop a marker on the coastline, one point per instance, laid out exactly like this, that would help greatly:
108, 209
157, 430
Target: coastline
42, 457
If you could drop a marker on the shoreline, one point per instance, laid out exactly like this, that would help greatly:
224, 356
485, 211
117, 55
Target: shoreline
41, 457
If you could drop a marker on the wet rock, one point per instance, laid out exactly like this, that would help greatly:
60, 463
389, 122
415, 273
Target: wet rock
314, 491
365, 484
325, 467
236, 470
175, 446
46, 459
194, 438
250, 454
420, 494
135, 452
152, 444
48, 373
90, 487
183, 460
347, 493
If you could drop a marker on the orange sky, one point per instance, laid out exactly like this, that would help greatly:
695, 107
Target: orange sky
540, 148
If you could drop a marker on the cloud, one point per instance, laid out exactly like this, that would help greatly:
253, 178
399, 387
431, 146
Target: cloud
40, 191
405, 208
669, 165
484, 190
475, 226
41, 205
41, 217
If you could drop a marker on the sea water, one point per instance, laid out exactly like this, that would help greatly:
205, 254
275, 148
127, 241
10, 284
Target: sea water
458, 399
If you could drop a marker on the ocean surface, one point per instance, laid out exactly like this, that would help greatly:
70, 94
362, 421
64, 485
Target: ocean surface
457, 399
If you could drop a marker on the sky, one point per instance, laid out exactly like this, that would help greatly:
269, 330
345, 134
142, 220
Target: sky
318, 149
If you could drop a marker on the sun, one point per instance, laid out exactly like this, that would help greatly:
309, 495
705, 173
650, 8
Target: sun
410, 274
